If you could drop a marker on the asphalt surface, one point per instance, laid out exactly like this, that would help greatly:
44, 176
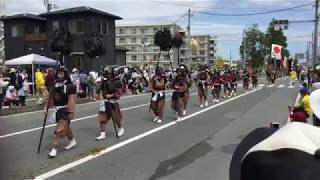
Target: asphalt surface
199, 147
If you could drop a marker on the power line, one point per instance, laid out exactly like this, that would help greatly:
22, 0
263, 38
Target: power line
254, 14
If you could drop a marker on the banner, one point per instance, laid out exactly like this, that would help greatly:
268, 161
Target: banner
276, 51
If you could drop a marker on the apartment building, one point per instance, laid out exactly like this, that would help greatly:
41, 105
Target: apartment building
139, 39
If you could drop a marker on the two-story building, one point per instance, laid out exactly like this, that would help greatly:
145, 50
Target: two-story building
24, 34
1, 42
82, 21
29, 33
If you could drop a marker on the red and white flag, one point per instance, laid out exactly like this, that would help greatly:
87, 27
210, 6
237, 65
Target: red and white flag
276, 51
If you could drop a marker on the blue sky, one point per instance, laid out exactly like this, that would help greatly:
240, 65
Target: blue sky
227, 29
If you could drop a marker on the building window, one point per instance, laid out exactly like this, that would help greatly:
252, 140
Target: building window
55, 25
144, 40
133, 40
202, 45
155, 30
202, 53
134, 49
134, 58
143, 30
133, 31
166, 57
36, 30
107, 29
17, 30
155, 57
122, 40
76, 26
144, 58
121, 31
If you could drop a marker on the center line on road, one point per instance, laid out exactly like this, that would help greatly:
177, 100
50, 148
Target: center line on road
75, 120
128, 141
281, 86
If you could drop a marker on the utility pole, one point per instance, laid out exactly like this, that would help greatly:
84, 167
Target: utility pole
230, 59
308, 53
244, 48
315, 38
189, 40
49, 6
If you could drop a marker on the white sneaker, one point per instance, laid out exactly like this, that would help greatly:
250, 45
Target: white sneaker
217, 101
178, 119
234, 94
224, 96
201, 105
72, 144
155, 119
214, 100
184, 112
102, 136
177, 114
229, 96
53, 153
120, 132
159, 121
206, 103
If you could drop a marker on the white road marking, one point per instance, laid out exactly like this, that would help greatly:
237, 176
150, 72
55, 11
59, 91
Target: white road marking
240, 85
75, 120
128, 141
271, 85
261, 85
281, 86
33, 112
290, 87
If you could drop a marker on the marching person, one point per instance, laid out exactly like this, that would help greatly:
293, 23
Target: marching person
234, 84
246, 80
180, 86
254, 78
216, 83
227, 84
109, 107
187, 77
62, 101
158, 86
204, 78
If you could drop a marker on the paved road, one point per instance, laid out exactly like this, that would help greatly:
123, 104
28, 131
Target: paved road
198, 147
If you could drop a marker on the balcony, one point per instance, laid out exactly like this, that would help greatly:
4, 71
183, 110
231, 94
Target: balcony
35, 37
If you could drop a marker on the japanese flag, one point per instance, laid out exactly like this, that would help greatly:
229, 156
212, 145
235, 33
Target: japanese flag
276, 51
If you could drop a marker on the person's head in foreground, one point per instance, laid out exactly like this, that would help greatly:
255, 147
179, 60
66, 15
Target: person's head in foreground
290, 153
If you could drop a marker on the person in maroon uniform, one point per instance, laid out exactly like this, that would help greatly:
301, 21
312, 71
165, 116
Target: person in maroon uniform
158, 87
62, 107
187, 77
204, 78
234, 84
180, 86
227, 84
109, 108
216, 83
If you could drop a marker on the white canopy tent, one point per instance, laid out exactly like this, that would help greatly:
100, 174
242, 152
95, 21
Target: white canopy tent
31, 59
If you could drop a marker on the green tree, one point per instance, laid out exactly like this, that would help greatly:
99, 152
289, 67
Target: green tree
163, 39
219, 62
62, 43
255, 47
94, 46
177, 42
